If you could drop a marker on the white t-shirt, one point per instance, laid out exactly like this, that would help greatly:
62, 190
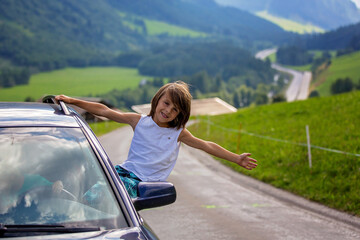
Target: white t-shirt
153, 151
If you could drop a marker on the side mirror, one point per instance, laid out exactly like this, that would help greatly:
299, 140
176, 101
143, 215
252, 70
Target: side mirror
154, 194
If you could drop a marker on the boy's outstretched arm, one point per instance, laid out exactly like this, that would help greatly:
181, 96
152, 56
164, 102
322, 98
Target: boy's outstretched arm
216, 150
102, 110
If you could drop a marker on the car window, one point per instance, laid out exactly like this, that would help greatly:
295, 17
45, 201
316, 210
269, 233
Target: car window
52, 176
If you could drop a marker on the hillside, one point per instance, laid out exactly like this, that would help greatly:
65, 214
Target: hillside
290, 25
276, 136
55, 34
346, 66
59, 33
339, 38
205, 16
326, 14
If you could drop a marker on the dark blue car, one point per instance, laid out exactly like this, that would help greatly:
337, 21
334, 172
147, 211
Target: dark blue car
56, 180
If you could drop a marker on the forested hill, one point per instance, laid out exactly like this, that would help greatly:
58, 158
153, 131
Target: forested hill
341, 38
54, 34
42, 33
205, 16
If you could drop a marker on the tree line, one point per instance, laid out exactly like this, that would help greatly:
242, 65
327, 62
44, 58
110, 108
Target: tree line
201, 86
10, 77
238, 90
293, 55
210, 68
342, 38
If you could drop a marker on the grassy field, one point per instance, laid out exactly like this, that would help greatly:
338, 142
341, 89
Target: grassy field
74, 82
276, 136
102, 128
341, 67
154, 27
289, 25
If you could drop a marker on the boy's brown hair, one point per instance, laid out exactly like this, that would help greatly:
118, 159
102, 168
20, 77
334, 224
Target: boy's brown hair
180, 96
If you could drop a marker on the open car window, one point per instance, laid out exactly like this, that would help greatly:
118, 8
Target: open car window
52, 176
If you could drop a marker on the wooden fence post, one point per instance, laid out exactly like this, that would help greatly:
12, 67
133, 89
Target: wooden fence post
309, 146
238, 139
208, 126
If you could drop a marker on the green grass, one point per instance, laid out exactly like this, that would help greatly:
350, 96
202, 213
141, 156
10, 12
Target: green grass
289, 25
156, 28
272, 57
283, 162
319, 53
341, 67
74, 82
101, 128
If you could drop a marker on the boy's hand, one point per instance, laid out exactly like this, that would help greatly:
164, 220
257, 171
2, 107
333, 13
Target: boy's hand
246, 162
63, 98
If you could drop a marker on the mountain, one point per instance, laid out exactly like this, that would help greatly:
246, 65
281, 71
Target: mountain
59, 33
205, 16
327, 14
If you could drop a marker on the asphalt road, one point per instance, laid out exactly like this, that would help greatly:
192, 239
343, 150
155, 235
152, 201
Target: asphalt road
213, 202
299, 87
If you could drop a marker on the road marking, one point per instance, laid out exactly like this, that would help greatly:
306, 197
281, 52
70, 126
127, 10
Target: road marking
257, 205
213, 206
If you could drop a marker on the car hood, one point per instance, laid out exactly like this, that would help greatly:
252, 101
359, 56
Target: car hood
124, 234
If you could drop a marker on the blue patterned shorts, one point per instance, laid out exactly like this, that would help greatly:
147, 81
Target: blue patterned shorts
129, 179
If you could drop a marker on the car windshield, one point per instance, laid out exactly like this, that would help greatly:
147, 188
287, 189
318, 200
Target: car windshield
52, 176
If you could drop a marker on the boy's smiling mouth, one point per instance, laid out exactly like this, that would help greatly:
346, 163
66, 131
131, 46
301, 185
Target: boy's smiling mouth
164, 115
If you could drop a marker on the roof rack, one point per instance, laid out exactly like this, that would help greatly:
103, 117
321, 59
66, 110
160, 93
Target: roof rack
51, 99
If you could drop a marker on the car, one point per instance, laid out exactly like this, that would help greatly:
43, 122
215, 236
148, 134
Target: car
56, 180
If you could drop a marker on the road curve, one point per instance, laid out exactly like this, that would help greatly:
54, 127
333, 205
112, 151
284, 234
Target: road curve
299, 87
216, 203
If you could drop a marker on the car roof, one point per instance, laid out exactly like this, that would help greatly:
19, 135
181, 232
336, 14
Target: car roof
24, 114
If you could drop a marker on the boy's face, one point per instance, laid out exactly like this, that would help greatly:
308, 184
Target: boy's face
165, 111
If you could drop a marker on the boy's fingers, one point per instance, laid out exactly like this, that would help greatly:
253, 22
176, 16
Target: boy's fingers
251, 166
61, 98
253, 160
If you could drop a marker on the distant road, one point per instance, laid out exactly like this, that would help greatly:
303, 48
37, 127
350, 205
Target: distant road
265, 53
299, 86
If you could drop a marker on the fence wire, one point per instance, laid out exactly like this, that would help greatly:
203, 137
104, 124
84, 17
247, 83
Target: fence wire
279, 140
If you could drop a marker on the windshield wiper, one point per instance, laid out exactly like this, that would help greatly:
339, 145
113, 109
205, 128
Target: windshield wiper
44, 228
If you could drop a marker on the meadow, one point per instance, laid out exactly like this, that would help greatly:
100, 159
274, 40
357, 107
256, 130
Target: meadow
154, 27
74, 82
101, 128
289, 25
341, 67
276, 136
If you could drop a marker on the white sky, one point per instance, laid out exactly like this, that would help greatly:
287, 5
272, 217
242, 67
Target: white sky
357, 2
